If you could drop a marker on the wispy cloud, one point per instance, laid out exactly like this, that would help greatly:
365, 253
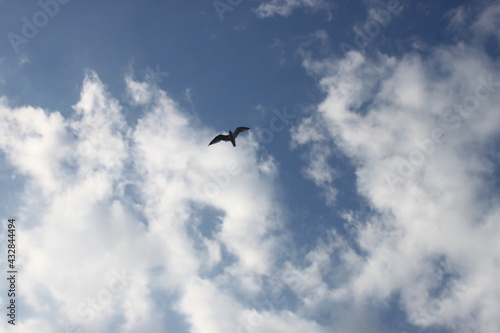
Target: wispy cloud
286, 7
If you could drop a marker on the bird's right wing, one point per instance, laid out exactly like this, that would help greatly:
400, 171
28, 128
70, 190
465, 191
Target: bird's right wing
218, 138
239, 130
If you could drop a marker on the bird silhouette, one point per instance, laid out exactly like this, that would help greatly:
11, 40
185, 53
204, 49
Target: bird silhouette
229, 137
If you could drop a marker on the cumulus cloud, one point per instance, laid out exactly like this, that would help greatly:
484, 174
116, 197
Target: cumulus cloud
419, 130
143, 228
109, 218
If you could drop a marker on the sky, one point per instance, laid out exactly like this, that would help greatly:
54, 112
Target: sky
364, 197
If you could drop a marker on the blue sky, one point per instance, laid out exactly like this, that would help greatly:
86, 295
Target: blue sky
363, 199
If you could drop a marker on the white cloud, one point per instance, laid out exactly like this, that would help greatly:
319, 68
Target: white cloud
320, 171
109, 215
199, 305
420, 132
285, 7
476, 21
120, 226
488, 22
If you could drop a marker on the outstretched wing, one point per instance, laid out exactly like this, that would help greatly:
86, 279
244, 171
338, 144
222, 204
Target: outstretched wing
218, 138
239, 130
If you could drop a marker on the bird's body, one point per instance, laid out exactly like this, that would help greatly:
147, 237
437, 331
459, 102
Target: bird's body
229, 137
232, 138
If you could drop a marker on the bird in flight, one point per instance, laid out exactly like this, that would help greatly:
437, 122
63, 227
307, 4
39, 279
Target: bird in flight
229, 137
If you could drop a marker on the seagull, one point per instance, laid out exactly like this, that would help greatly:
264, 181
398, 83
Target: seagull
229, 137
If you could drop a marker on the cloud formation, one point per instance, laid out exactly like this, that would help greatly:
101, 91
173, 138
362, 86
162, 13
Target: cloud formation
419, 130
286, 7
115, 220
143, 228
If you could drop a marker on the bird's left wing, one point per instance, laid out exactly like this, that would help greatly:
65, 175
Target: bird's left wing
218, 138
239, 130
